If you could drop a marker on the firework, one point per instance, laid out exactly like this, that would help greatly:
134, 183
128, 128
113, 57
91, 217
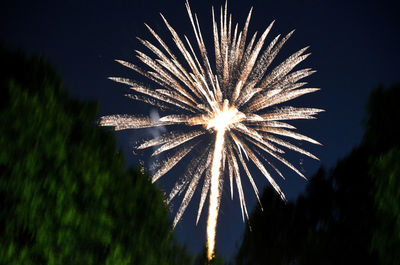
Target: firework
231, 110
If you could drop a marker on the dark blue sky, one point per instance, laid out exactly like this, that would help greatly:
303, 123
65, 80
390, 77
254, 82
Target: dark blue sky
354, 47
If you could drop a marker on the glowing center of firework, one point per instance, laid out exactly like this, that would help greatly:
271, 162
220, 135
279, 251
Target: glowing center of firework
225, 117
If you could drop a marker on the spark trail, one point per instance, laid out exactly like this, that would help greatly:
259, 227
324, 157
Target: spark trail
237, 102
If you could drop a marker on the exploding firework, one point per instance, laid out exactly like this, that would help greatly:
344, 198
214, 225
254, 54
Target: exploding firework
231, 112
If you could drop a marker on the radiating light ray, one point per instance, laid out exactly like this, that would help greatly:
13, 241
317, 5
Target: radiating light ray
279, 97
177, 141
289, 146
231, 110
185, 178
123, 122
150, 101
195, 175
271, 164
172, 161
204, 193
275, 124
253, 184
291, 134
290, 113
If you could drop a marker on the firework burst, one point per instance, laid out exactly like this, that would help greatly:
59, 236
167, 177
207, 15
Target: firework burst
229, 111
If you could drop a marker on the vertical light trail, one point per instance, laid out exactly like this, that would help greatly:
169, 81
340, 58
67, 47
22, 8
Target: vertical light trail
214, 193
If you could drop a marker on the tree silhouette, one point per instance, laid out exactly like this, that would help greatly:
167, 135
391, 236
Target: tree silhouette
386, 236
349, 215
65, 194
383, 136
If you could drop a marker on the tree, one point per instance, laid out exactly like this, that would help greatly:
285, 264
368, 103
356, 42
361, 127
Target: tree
386, 236
65, 194
349, 215
382, 117
383, 136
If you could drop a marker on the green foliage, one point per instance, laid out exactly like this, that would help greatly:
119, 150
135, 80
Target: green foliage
382, 134
66, 197
386, 238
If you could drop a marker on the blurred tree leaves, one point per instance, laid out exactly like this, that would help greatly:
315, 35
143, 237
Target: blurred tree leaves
65, 194
382, 135
348, 215
386, 237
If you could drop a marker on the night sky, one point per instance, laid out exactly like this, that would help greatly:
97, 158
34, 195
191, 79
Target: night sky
354, 45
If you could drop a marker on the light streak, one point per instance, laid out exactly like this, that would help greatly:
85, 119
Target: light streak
214, 193
236, 100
